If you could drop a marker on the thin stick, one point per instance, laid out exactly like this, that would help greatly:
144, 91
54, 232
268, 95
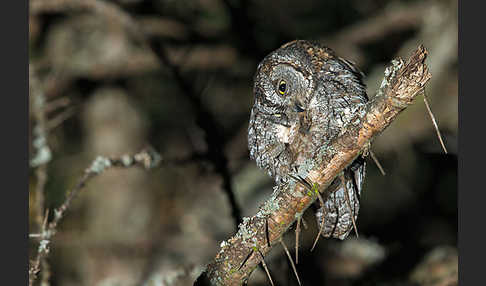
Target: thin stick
55, 104
266, 268
377, 162
432, 117
42, 252
246, 259
56, 121
348, 201
321, 228
290, 259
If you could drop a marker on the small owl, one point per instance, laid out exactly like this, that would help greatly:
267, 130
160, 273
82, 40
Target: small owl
304, 96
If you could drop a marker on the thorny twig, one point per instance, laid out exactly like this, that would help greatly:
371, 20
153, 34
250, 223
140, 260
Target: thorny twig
402, 83
147, 158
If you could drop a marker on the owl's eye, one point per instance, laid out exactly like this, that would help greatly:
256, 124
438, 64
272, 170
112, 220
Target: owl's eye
282, 87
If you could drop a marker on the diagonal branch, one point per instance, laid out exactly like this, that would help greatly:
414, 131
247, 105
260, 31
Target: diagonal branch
402, 83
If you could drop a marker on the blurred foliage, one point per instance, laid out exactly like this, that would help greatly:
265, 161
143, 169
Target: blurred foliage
109, 91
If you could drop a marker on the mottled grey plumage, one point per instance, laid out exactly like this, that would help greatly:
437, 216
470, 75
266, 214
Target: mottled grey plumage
304, 96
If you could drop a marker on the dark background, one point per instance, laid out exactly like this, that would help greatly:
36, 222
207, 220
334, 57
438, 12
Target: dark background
177, 75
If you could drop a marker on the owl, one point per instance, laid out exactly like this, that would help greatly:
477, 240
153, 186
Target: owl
303, 97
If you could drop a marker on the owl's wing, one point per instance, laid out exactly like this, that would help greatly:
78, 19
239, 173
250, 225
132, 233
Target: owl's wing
339, 207
358, 74
352, 66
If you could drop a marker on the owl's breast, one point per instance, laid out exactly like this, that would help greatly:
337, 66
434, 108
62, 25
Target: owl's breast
283, 134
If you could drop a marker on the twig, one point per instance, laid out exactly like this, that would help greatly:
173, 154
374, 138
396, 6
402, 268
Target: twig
42, 252
58, 103
377, 162
266, 268
432, 117
321, 228
147, 159
59, 119
290, 259
41, 157
402, 82
348, 202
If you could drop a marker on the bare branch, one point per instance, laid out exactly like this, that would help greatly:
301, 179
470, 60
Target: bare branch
402, 82
147, 159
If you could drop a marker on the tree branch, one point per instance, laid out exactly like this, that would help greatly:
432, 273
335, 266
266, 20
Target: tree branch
147, 158
240, 255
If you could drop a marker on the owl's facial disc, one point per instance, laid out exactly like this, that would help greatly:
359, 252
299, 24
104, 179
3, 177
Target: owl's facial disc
298, 107
290, 86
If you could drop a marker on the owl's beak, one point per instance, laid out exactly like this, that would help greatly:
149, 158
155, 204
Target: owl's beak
298, 107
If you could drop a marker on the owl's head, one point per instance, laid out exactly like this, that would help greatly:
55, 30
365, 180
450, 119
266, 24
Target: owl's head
283, 81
